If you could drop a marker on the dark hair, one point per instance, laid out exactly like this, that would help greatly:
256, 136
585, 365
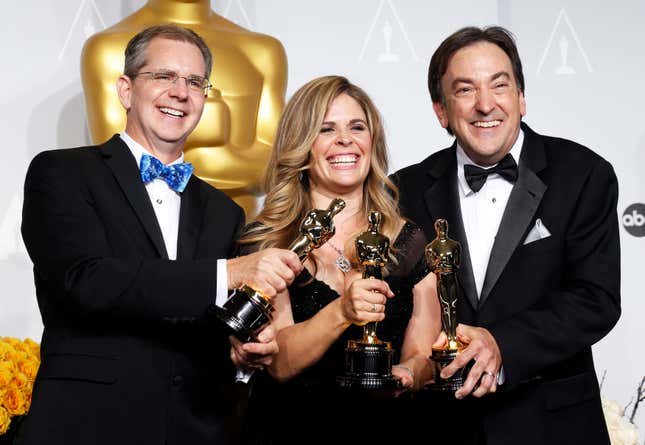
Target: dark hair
135, 52
464, 37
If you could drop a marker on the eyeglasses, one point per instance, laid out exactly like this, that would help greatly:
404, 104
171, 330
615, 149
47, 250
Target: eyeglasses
164, 79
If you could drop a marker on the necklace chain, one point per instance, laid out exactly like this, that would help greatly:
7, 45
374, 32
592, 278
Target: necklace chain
341, 262
339, 251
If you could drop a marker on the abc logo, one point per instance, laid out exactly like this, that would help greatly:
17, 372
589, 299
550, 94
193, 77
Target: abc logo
634, 219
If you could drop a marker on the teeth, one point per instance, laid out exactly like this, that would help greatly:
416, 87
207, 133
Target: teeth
343, 159
172, 112
489, 124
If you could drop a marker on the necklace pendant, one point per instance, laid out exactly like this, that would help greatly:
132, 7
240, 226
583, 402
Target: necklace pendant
343, 263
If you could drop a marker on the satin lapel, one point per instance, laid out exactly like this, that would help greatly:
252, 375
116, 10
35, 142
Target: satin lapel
119, 159
520, 209
442, 200
190, 219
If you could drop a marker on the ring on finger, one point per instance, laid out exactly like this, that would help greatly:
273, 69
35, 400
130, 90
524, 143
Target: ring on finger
373, 309
492, 374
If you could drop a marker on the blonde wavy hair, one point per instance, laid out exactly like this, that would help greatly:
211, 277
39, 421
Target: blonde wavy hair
286, 181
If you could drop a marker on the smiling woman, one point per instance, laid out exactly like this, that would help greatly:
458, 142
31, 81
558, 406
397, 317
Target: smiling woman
341, 154
330, 143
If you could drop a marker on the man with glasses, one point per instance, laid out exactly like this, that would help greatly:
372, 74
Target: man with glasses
129, 251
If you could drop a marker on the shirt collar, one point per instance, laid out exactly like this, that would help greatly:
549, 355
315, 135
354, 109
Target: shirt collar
463, 159
138, 151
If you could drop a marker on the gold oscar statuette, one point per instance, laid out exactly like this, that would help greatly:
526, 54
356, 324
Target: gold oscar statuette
248, 310
368, 361
230, 146
443, 256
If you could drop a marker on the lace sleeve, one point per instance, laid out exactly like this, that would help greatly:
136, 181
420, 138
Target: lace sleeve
410, 253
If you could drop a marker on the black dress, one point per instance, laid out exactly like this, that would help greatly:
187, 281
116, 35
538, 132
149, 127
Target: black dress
311, 408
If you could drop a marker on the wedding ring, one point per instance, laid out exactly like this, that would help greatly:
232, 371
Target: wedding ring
492, 374
373, 307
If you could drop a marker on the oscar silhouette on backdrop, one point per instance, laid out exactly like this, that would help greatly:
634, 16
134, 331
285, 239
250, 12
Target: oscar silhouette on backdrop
231, 145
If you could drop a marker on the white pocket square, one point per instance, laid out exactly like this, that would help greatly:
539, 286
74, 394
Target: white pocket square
538, 232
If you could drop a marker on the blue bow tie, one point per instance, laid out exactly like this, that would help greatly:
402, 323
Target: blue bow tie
176, 175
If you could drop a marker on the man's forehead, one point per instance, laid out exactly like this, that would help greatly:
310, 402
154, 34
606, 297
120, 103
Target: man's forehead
165, 50
479, 58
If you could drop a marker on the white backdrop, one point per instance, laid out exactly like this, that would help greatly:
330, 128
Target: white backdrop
584, 64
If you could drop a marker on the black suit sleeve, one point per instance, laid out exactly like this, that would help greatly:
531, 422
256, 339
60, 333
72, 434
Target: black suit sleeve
78, 270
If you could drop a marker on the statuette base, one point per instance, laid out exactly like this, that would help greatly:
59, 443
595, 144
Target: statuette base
368, 366
245, 313
442, 358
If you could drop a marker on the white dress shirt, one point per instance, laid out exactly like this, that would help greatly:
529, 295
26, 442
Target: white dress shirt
482, 211
167, 204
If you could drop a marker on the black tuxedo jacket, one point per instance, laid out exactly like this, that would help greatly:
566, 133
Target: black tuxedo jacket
128, 355
546, 302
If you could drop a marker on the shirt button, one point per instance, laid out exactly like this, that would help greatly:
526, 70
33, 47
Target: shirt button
159, 201
494, 200
177, 380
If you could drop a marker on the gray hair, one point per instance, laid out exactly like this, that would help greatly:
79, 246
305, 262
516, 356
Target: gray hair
135, 52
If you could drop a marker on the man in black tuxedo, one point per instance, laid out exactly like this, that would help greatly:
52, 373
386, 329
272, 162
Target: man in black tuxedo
540, 269
129, 252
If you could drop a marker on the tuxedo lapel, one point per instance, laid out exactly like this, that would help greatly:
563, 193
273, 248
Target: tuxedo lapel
520, 209
119, 159
190, 219
442, 201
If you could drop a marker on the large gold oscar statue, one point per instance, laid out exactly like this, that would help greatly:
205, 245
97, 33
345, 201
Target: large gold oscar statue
231, 144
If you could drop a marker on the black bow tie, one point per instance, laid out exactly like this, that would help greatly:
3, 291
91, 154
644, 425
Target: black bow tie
476, 176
